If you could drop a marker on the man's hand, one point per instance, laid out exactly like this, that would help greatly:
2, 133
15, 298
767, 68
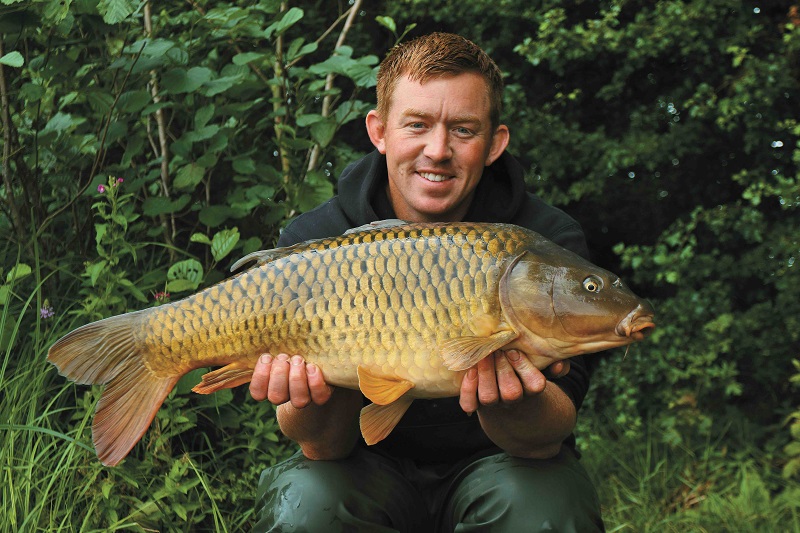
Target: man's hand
505, 377
284, 379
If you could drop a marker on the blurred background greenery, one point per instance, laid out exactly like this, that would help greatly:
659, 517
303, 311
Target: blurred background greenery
146, 146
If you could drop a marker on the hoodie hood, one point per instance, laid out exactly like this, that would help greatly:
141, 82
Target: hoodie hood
362, 191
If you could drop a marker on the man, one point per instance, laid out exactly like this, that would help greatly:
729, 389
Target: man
493, 459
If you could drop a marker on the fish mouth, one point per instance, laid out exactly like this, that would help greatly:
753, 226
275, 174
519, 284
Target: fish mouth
638, 324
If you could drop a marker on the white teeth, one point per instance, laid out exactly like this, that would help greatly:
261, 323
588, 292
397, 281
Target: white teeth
433, 177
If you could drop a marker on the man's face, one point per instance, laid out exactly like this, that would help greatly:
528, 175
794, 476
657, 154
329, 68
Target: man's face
437, 140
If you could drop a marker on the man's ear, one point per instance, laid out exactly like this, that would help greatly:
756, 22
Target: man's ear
500, 140
376, 129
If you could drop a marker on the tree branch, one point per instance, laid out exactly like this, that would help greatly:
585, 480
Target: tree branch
278, 100
313, 160
170, 227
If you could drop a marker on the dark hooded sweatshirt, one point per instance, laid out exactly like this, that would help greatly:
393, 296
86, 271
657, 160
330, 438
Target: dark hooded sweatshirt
438, 430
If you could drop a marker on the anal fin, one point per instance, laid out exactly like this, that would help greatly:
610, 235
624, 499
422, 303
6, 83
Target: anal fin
227, 377
377, 421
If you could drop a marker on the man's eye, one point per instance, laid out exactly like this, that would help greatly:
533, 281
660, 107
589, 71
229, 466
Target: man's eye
463, 131
417, 125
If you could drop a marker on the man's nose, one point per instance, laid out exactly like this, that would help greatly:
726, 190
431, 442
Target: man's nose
437, 147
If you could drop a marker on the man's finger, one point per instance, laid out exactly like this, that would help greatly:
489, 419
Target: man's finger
559, 369
533, 381
279, 380
298, 383
507, 380
488, 392
259, 384
469, 391
320, 391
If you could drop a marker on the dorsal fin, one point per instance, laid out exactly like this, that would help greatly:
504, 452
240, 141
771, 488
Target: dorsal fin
378, 224
264, 256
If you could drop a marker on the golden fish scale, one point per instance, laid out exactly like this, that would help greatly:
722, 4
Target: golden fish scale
383, 299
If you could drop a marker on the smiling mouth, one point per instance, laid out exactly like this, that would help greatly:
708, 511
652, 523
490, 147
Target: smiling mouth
436, 178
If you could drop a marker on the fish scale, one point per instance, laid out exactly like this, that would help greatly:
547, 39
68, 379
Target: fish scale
399, 311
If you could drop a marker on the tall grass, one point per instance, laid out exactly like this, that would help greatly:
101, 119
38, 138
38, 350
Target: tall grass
178, 479
647, 486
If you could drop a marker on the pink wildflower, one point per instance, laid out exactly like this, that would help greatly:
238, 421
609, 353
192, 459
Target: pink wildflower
161, 297
101, 188
119, 180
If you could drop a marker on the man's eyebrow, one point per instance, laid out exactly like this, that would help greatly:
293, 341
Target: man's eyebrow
459, 119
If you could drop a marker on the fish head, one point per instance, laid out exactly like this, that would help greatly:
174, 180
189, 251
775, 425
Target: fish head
563, 306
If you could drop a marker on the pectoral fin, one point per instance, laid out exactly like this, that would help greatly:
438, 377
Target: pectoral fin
377, 421
463, 352
227, 377
381, 390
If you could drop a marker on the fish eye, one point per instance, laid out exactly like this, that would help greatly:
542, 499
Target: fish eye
593, 284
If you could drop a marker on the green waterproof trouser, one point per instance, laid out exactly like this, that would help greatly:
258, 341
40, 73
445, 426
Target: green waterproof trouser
370, 492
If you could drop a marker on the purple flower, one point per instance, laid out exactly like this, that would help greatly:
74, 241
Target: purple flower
101, 188
46, 312
119, 180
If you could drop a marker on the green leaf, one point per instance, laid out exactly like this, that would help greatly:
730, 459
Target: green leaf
220, 85
179, 80
246, 57
184, 275
203, 115
115, 11
201, 238
189, 380
322, 132
18, 272
387, 22
133, 290
313, 192
287, 21
244, 165
214, 215
5, 291
223, 243
13, 59
159, 205
189, 176
100, 232
95, 269
201, 133
134, 101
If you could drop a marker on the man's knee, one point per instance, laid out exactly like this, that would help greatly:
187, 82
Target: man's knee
502, 493
354, 494
294, 498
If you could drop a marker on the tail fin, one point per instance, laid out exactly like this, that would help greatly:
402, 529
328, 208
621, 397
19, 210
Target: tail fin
108, 352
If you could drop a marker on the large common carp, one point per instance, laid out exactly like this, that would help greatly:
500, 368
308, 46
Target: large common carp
396, 310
